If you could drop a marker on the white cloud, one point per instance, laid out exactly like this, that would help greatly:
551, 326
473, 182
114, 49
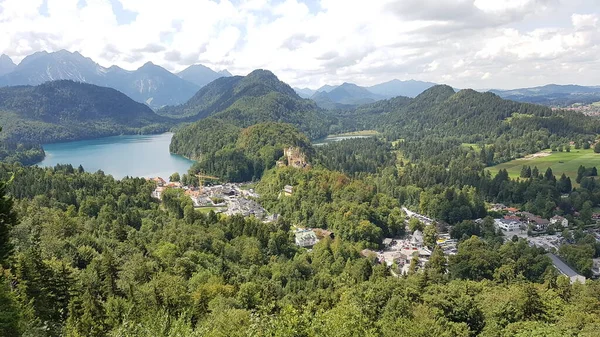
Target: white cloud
469, 43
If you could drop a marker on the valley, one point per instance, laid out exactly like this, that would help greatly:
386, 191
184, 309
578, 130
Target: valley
273, 200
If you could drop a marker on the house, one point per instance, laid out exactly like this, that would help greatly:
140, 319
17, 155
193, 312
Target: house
507, 225
388, 242
539, 224
288, 190
174, 184
160, 182
306, 238
512, 210
157, 193
557, 219
564, 269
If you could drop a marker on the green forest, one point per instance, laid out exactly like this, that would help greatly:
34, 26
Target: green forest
86, 255
234, 154
83, 254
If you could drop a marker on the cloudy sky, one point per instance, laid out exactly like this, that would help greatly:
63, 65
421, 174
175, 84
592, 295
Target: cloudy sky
307, 43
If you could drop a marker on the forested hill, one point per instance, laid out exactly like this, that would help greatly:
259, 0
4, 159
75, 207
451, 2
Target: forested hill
246, 100
67, 110
441, 115
235, 154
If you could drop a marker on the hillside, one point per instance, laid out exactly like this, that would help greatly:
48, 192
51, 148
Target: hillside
149, 84
440, 119
393, 88
347, 94
255, 98
66, 110
236, 154
553, 95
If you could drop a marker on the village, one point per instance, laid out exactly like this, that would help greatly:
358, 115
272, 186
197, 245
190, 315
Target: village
229, 199
397, 253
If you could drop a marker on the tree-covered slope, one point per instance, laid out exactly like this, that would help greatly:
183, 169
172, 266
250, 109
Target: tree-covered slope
67, 110
258, 97
235, 154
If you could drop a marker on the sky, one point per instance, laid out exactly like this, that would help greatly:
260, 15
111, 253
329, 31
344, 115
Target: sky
478, 44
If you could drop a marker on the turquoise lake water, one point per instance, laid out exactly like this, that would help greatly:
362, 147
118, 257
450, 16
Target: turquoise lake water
120, 156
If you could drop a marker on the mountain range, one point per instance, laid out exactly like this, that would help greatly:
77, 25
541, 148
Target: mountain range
348, 95
246, 100
66, 110
150, 84
553, 95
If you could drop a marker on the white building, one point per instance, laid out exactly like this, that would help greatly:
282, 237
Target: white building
557, 219
306, 238
507, 225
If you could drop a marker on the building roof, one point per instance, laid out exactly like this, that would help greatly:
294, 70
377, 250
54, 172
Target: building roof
306, 238
562, 267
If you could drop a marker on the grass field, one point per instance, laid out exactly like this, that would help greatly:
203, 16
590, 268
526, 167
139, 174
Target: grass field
559, 162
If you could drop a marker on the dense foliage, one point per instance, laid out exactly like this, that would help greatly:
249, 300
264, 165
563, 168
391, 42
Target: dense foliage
357, 155
67, 110
85, 255
98, 257
439, 121
235, 154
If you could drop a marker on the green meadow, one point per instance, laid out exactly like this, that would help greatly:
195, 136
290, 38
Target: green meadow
559, 162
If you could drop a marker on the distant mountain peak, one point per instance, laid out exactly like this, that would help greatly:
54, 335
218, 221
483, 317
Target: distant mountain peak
6, 64
201, 75
263, 73
396, 87
148, 64
6, 58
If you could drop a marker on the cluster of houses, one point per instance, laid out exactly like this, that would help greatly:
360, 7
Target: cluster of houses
516, 220
401, 252
519, 222
229, 199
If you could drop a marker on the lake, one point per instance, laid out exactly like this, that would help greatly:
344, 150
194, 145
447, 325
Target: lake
331, 139
120, 156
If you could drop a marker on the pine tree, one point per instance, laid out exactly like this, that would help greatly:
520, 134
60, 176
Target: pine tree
580, 173
8, 219
549, 175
